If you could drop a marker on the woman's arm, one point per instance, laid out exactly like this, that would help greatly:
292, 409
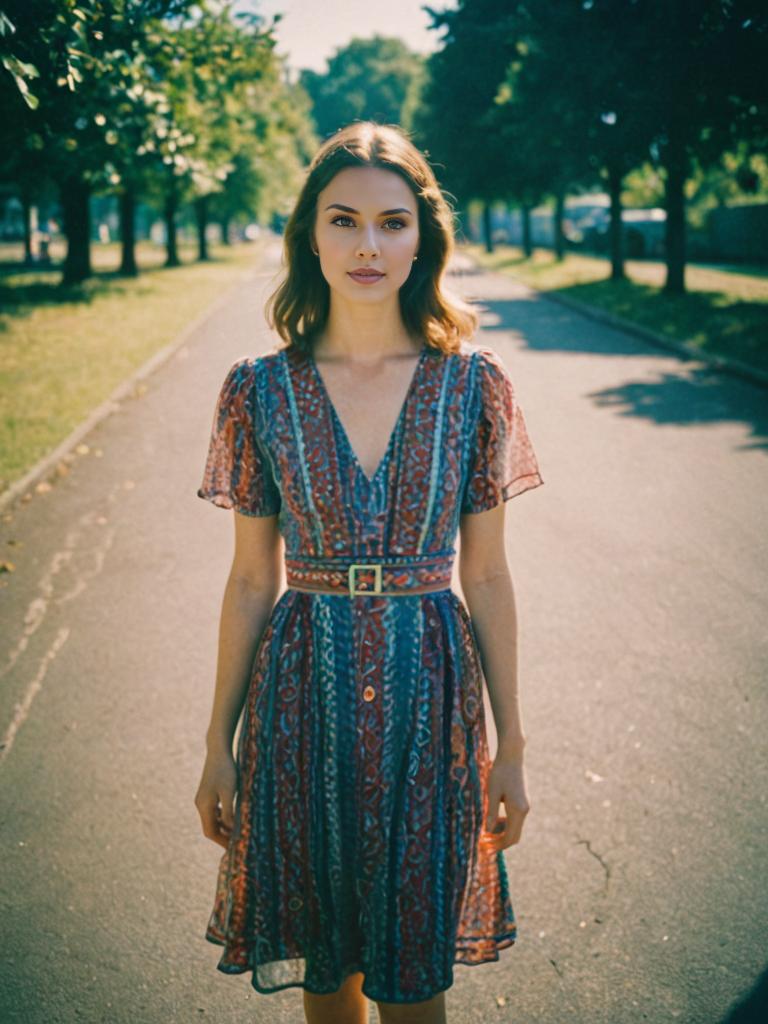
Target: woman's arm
489, 594
249, 597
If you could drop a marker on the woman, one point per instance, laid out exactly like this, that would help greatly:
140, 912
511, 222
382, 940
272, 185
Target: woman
363, 855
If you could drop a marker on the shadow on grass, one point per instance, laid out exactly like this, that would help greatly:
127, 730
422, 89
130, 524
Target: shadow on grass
513, 261
716, 322
712, 321
24, 289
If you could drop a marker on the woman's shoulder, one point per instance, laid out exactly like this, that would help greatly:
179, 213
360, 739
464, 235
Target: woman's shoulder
254, 369
246, 382
481, 355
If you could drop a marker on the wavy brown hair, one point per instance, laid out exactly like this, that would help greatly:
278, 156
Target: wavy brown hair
298, 308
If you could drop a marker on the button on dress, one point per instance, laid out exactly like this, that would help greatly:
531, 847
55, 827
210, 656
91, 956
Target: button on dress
362, 753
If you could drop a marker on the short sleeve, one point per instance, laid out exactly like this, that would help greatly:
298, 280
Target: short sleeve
502, 462
238, 472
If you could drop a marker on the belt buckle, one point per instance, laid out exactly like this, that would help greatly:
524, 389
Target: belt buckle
376, 566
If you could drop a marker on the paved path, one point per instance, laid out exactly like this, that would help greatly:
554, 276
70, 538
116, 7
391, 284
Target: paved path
641, 578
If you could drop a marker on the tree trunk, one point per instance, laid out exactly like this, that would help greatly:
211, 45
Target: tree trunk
76, 216
674, 236
128, 266
171, 206
26, 206
527, 240
558, 224
615, 229
224, 228
487, 232
201, 216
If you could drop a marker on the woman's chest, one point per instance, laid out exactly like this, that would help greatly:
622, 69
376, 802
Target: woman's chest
410, 501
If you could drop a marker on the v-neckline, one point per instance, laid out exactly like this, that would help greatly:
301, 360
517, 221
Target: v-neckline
370, 481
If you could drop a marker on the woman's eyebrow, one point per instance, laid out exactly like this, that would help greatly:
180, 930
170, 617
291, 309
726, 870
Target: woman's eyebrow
351, 209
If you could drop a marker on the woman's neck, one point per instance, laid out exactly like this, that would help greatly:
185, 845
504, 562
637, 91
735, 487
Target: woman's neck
365, 338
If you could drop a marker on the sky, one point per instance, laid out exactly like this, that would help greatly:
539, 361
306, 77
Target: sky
311, 30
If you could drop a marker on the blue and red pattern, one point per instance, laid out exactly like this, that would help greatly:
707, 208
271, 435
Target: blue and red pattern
363, 763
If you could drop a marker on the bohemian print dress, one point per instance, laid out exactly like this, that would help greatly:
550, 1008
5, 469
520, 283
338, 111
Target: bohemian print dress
362, 754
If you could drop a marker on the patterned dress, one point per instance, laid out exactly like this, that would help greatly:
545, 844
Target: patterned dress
358, 840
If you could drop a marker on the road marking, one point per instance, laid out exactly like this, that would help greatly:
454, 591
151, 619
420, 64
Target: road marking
22, 709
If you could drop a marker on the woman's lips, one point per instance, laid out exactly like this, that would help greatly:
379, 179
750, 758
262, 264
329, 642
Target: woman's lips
367, 278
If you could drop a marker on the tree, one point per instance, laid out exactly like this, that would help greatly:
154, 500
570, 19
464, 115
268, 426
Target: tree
368, 79
675, 80
80, 52
532, 98
583, 115
149, 97
706, 86
455, 122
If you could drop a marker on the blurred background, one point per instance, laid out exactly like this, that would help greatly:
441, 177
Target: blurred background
613, 151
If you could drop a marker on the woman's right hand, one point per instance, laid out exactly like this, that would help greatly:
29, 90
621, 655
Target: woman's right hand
215, 797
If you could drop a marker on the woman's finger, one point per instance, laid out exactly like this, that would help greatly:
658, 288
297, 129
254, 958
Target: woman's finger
214, 827
225, 809
494, 800
209, 820
509, 829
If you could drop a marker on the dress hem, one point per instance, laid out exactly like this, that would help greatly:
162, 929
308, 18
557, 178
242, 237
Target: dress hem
504, 941
518, 485
224, 499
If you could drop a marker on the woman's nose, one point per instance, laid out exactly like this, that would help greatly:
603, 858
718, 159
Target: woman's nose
368, 242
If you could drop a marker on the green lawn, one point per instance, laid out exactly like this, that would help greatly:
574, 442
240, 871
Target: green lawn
63, 351
724, 311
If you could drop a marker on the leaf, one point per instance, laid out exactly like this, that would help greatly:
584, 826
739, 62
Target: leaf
20, 68
13, 66
29, 98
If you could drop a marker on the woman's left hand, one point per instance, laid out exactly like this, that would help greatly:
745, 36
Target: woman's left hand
506, 783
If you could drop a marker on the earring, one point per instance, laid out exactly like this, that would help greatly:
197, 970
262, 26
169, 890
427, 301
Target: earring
415, 258
315, 252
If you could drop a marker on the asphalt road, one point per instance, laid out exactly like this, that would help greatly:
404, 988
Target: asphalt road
641, 575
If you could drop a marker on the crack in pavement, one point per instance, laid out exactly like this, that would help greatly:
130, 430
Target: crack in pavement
606, 867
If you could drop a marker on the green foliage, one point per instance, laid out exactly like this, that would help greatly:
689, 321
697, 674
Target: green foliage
151, 96
552, 93
530, 99
368, 79
456, 121
22, 72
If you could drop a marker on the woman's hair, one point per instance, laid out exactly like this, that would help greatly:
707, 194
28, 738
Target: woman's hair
299, 307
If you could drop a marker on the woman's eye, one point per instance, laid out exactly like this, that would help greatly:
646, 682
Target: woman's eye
392, 220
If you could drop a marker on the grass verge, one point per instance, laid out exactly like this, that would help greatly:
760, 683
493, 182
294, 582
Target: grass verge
63, 351
724, 311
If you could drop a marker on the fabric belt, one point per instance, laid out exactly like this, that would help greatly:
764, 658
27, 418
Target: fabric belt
392, 577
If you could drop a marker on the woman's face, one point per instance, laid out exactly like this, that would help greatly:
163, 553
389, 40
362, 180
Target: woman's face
366, 216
